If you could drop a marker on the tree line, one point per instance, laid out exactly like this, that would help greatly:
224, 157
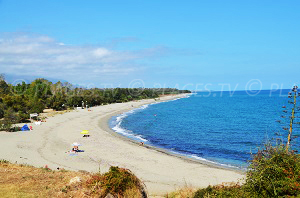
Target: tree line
18, 101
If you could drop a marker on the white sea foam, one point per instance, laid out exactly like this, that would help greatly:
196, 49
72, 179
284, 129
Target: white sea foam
128, 133
144, 106
205, 160
189, 95
117, 128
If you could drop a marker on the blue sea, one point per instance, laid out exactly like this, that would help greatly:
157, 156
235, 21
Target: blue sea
224, 128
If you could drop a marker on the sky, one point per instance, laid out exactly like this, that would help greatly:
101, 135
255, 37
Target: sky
186, 44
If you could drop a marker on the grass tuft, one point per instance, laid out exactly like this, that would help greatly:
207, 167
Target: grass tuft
186, 192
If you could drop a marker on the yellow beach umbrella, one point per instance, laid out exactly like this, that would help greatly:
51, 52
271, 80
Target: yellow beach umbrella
84, 132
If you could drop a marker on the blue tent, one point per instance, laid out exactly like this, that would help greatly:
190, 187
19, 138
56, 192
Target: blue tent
25, 128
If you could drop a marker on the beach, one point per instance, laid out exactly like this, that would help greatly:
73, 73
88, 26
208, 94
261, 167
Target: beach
49, 143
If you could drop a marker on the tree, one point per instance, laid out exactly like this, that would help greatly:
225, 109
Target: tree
10, 118
4, 88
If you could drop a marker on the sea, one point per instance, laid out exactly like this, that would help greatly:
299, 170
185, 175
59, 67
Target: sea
219, 127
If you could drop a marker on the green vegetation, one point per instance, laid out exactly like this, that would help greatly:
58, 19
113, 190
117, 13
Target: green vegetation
273, 172
18, 101
118, 182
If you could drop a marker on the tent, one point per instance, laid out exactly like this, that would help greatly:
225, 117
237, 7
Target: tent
25, 128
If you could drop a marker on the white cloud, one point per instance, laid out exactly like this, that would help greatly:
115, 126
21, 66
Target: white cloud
100, 52
26, 54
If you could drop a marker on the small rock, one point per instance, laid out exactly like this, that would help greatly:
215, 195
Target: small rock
109, 196
75, 180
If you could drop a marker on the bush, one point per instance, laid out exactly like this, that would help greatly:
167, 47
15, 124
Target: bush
5, 125
15, 129
10, 118
232, 190
118, 182
274, 172
3, 161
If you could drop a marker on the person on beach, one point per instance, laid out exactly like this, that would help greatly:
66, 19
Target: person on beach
75, 149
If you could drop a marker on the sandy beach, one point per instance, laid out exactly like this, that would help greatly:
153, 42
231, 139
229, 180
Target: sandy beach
48, 143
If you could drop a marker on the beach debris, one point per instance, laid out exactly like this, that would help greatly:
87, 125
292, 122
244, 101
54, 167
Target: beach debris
75, 180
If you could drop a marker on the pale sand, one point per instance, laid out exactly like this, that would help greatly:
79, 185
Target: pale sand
47, 145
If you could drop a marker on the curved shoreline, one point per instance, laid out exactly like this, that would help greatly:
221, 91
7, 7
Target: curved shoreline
106, 127
162, 172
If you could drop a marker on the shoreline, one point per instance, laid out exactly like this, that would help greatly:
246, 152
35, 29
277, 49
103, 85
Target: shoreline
161, 172
161, 150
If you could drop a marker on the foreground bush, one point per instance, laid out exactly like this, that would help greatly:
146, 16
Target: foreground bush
231, 190
273, 172
118, 182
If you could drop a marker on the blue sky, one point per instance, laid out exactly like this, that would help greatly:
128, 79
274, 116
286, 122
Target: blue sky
192, 44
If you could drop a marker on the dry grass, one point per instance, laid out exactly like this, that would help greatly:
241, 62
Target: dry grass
27, 181
186, 192
53, 113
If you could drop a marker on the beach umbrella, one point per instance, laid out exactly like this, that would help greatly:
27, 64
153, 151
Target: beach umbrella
84, 132
76, 144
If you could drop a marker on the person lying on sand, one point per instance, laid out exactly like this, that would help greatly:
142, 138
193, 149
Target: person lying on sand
75, 149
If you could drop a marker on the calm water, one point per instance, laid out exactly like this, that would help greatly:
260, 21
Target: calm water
221, 127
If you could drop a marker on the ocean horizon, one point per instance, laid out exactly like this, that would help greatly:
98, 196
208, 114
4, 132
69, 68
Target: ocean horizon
219, 127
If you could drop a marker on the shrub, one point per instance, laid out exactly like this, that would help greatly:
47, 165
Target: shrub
274, 172
10, 118
3, 161
231, 190
15, 129
118, 182
5, 125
